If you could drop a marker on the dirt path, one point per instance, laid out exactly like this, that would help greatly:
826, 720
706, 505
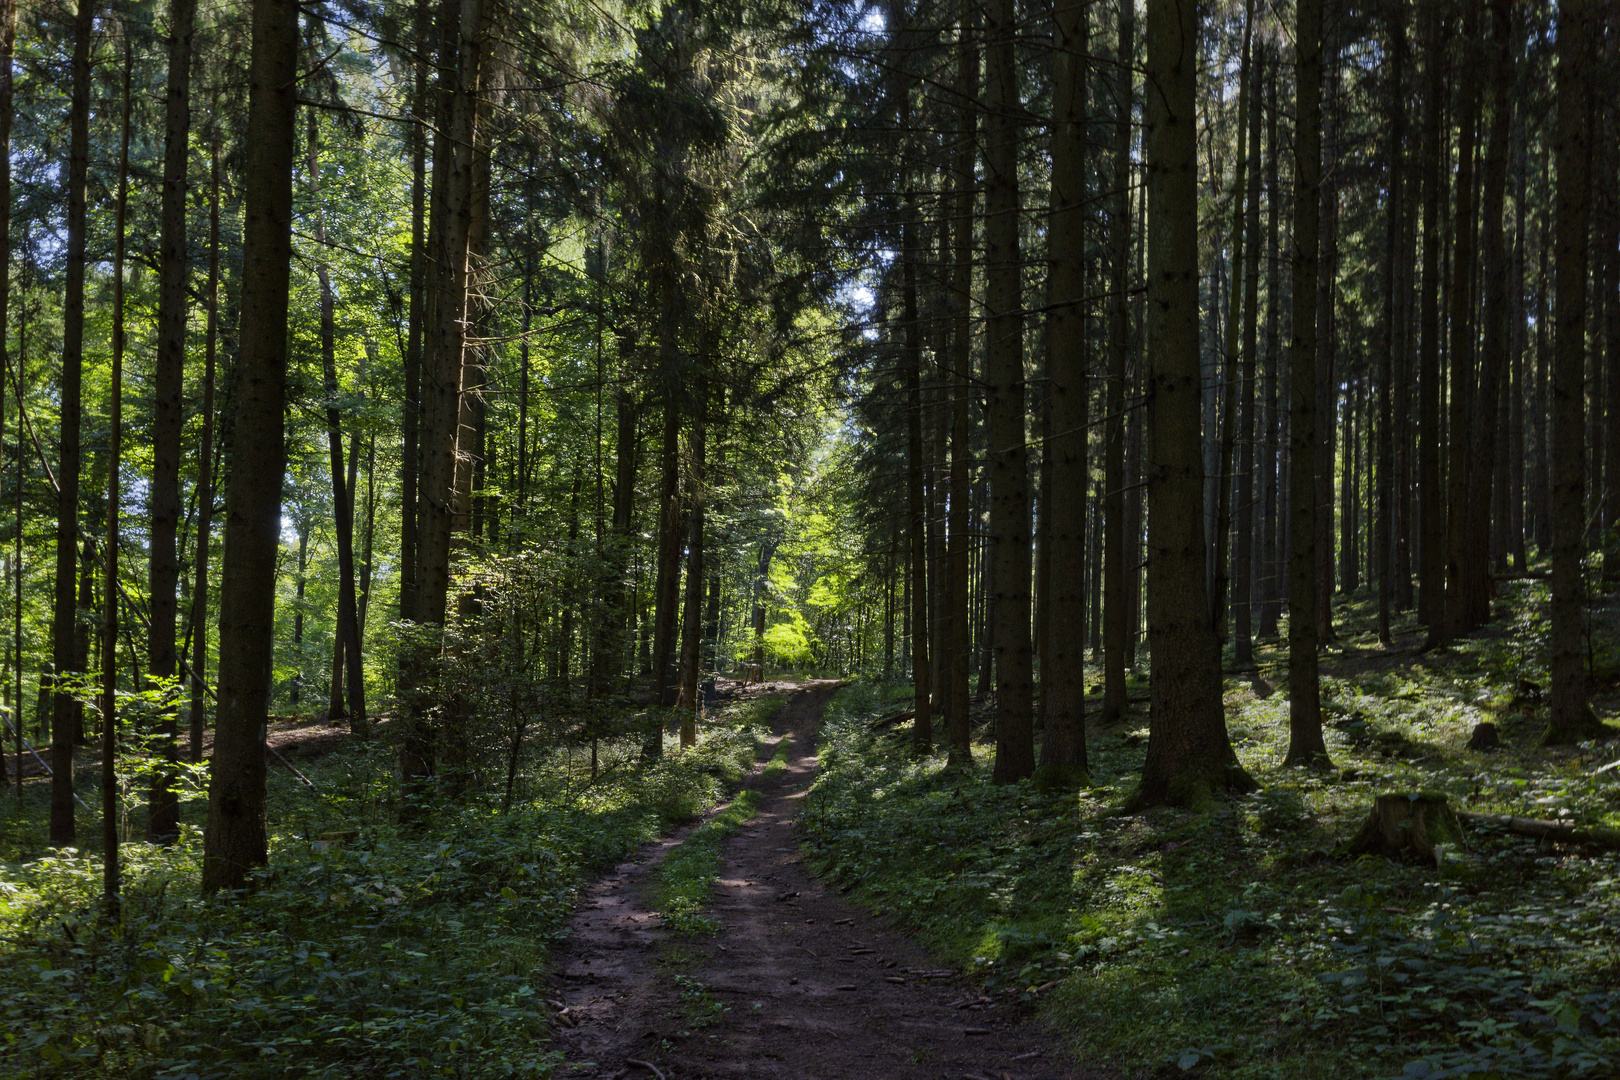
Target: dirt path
800, 984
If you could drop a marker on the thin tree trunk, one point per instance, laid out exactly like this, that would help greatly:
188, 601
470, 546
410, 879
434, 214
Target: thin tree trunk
8, 43
205, 473
1394, 166
1243, 560
1116, 551
235, 839
1432, 507
692, 645
960, 542
1305, 742
70, 387
109, 625
348, 618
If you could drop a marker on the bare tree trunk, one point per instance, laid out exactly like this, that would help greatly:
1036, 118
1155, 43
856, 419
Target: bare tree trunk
1243, 560
961, 543
205, 473
1474, 571
235, 841
109, 625
1116, 553
1432, 530
1189, 757
1571, 715
1394, 166
1063, 686
692, 646
1275, 494
64, 623
1305, 743
348, 617
1004, 387
8, 43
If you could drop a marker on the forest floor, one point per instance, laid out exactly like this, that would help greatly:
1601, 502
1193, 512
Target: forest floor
799, 982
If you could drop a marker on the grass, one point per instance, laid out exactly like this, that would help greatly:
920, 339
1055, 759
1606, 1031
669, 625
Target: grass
408, 951
686, 877
779, 760
1234, 942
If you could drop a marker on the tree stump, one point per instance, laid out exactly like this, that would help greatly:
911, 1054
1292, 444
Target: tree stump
1418, 822
1485, 737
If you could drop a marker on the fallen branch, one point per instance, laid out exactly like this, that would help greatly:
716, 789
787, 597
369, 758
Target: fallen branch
1556, 832
656, 1071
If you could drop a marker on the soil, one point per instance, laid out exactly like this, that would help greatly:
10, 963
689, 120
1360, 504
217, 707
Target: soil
799, 983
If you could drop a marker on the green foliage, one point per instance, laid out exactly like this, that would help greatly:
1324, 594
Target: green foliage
1231, 940
687, 875
364, 949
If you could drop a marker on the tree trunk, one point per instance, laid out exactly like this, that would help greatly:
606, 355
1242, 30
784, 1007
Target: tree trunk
411, 408
1063, 659
8, 43
1189, 757
1004, 389
109, 624
1243, 559
1394, 172
348, 618
960, 542
235, 840
692, 646
205, 473
1432, 507
1305, 743
1116, 553
70, 387
1474, 578
1460, 611
1571, 716
1275, 495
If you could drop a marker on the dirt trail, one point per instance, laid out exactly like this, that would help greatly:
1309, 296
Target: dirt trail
800, 984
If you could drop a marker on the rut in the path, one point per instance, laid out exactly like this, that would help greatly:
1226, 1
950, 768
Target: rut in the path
799, 984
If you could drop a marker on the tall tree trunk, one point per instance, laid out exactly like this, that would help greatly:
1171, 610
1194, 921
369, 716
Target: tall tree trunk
205, 472
692, 621
1189, 757
1275, 495
1305, 743
1432, 528
1394, 172
1004, 389
609, 655
1326, 332
1243, 559
1116, 553
64, 623
1063, 661
411, 408
109, 625
348, 617
8, 43
1464, 336
453, 197
163, 560
1474, 576
667, 590
1232, 360
959, 539
1571, 716
235, 841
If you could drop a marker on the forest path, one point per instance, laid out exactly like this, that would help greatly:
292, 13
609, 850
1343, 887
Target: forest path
799, 984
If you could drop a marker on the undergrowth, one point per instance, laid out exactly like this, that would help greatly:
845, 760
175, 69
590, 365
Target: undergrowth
1235, 943
686, 878
392, 951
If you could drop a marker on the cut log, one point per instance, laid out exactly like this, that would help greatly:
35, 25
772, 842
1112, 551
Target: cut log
1554, 832
1418, 822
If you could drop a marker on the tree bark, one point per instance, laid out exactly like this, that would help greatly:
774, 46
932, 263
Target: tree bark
1394, 172
205, 473
1189, 757
1115, 551
1243, 559
959, 540
64, 623
1305, 743
1571, 718
348, 617
235, 840
1005, 389
1432, 506
1063, 670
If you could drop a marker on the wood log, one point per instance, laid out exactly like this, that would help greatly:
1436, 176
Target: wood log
1554, 832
